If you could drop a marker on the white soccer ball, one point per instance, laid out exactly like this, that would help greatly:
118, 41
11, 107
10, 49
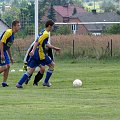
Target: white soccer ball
77, 83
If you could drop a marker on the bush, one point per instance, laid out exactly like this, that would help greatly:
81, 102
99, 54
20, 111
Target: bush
64, 30
114, 29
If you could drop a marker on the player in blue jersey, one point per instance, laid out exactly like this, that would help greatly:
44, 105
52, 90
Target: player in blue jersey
40, 74
39, 56
6, 40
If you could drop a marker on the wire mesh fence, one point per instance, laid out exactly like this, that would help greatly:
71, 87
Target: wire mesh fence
74, 46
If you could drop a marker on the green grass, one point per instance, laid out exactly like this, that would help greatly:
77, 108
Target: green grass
97, 99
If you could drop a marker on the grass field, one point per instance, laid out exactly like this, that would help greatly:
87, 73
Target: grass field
97, 99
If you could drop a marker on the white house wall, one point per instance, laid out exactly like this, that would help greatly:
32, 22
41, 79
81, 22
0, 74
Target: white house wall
3, 27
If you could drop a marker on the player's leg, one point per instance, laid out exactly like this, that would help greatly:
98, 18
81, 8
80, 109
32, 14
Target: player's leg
25, 77
51, 65
5, 76
32, 64
39, 75
3, 69
5, 66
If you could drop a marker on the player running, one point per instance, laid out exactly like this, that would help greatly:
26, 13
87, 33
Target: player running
39, 56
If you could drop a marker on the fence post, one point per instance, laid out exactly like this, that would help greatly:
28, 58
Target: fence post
111, 48
73, 48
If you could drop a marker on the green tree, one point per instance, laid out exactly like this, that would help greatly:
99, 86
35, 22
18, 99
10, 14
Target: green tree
74, 11
3, 8
11, 15
51, 13
31, 8
23, 3
63, 30
114, 29
15, 3
108, 6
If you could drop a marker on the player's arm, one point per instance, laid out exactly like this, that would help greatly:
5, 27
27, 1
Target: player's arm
53, 47
34, 48
10, 55
6, 35
1, 50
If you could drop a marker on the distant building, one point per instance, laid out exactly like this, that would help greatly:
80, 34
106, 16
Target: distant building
3, 26
63, 13
7, 7
94, 17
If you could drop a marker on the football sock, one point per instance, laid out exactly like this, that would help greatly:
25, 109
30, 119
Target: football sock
38, 77
48, 75
23, 79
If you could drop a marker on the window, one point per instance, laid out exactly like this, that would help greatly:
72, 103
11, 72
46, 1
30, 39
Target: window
66, 19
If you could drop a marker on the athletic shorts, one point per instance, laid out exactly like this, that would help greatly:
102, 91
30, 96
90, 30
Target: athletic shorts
33, 62
46, 61
7, 60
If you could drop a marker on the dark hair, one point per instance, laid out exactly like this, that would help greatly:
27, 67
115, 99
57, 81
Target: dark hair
49, 22
15, 22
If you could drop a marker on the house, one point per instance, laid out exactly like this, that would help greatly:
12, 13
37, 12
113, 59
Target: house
94, 17
3, 26
63, 13
7, 7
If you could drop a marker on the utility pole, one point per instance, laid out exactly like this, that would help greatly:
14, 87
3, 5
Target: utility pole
119, 4
94, 4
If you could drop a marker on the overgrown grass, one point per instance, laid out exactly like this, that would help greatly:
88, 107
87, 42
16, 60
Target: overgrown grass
97, 99
89, 46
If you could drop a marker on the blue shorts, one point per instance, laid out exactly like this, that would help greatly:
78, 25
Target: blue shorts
7, 60
33, 62
46, 61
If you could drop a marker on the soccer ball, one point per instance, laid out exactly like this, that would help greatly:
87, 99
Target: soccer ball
77, 83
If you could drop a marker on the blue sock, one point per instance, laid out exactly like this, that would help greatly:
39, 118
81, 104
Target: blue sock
48, 75
24, 78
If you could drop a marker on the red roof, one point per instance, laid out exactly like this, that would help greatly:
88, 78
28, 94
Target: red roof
68, 10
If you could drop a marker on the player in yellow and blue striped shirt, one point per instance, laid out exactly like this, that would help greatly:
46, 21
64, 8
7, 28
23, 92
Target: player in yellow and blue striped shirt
39, 56
6, 40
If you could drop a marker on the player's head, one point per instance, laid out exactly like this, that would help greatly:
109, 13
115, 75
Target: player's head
49, 25
16, 26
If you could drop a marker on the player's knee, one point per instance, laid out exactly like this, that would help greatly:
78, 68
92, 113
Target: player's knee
28, 74
42, 69
51, 67
8, 66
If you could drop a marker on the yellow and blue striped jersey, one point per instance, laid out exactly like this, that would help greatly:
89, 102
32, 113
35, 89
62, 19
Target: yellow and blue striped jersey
43, 40
7, 38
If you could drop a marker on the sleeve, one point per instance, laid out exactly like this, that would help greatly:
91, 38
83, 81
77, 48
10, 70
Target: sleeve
43, 38
6, 35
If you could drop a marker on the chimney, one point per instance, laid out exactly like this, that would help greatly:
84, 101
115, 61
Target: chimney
94, 11
66, 5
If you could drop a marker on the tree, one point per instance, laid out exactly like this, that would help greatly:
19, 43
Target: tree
23, 3
3, 8
108, 6
31, 11
51, 13
15, 3
74, 11
114, 29
11, 15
